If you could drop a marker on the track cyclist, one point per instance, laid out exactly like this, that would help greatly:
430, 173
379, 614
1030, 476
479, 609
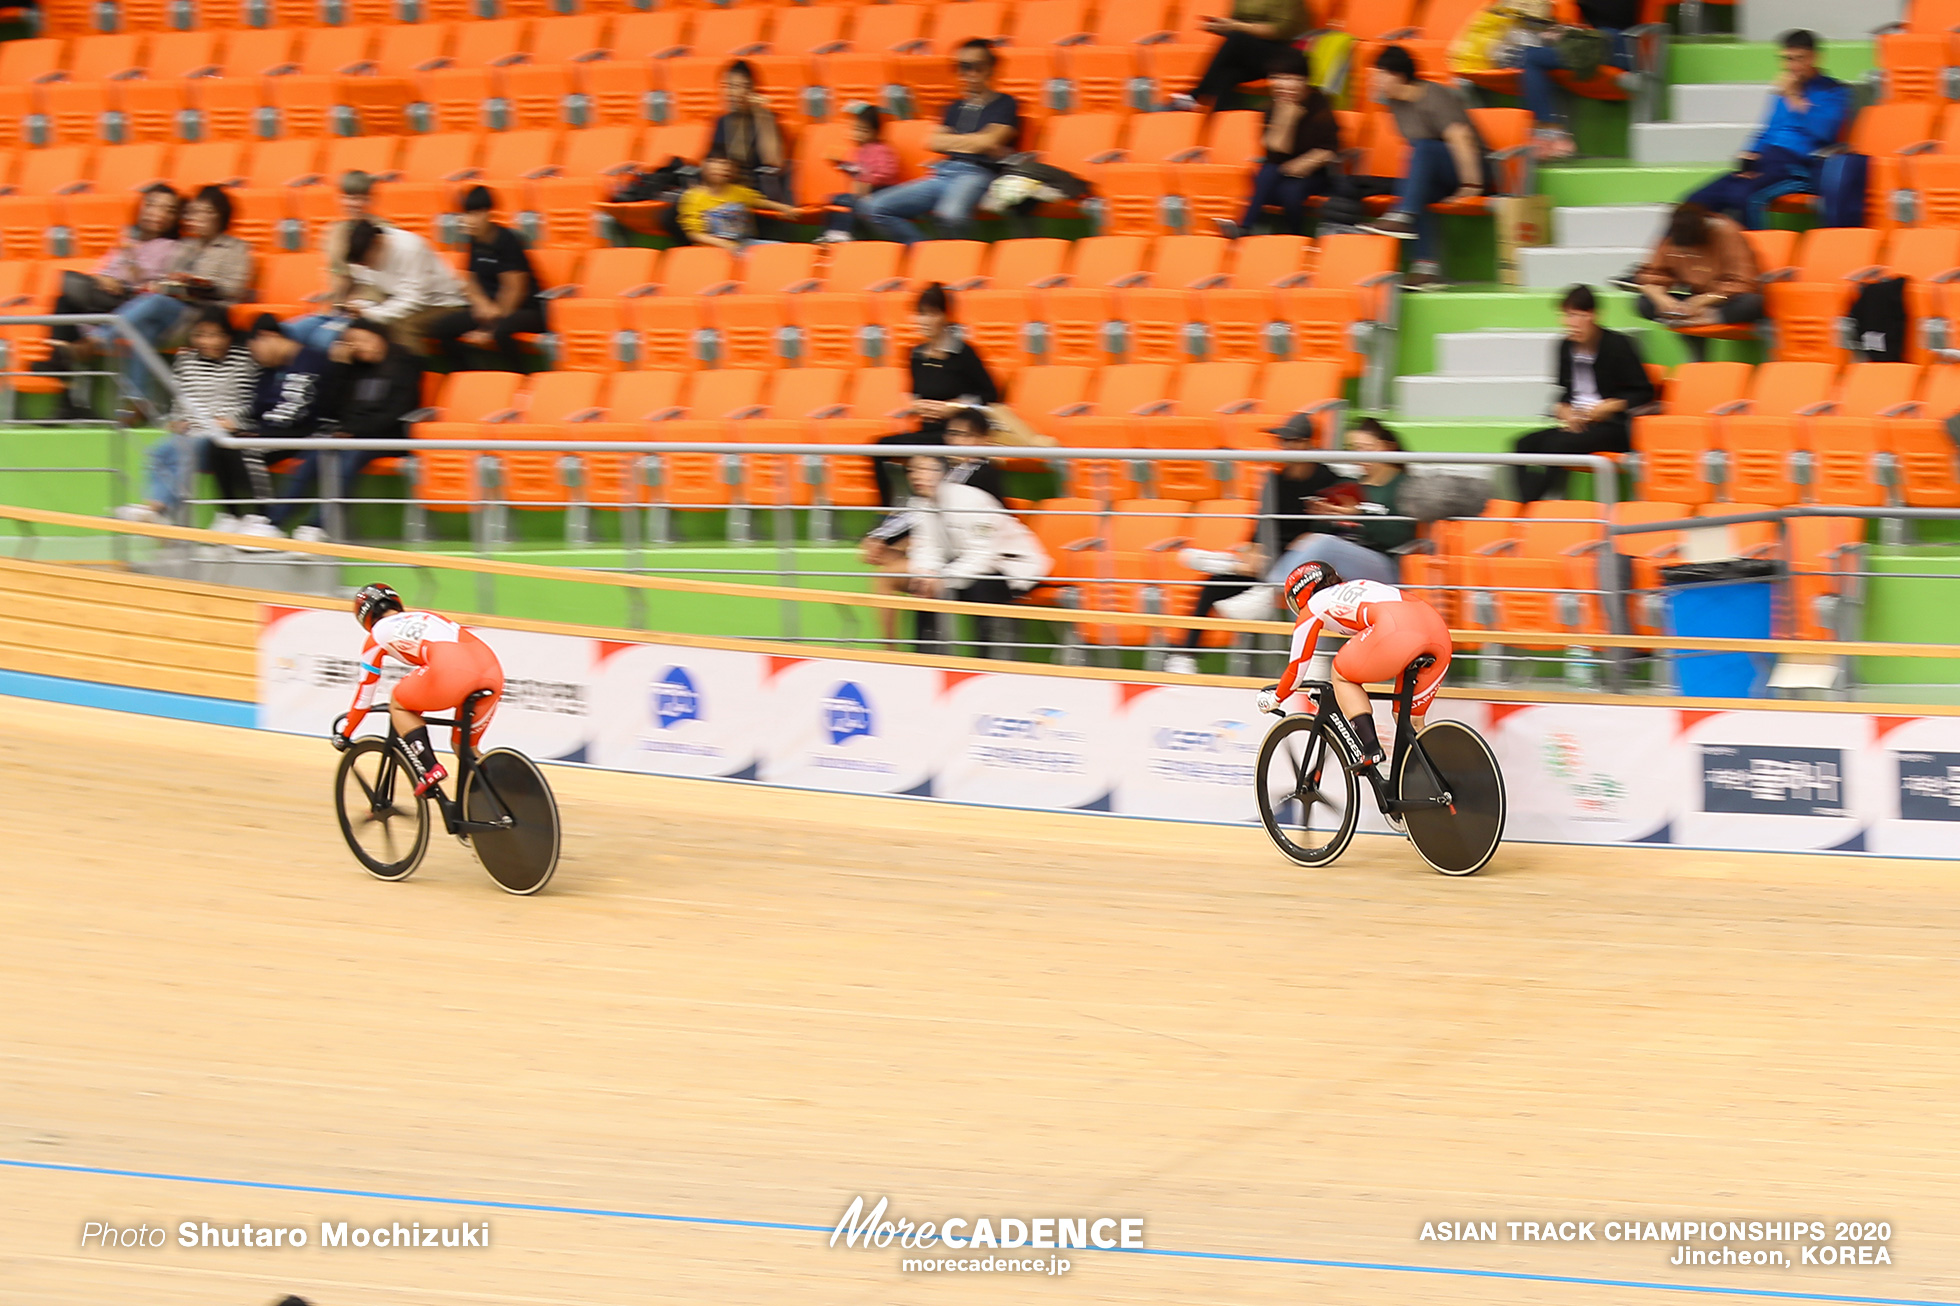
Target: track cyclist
449, 665
1387, 632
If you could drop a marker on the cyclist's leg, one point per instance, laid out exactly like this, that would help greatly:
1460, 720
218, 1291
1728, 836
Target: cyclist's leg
418, 692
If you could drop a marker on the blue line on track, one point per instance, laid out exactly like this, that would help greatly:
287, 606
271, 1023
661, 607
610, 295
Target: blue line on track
1767, 1294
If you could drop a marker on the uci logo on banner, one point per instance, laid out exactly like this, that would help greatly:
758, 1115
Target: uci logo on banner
675, 699
847, 713
1779, 781
1929, 786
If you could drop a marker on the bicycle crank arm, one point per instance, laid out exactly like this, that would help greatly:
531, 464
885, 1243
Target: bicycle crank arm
482, 827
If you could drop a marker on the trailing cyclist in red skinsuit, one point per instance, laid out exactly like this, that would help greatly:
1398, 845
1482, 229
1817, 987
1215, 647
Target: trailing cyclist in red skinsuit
450, 665
1389, 632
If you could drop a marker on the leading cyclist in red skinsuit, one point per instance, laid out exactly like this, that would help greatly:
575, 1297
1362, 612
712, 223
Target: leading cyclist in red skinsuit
450, 665
1389, 631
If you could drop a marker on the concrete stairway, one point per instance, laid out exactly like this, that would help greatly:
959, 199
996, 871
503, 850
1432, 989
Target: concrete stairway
1592, 244
1483, 374
1712, 122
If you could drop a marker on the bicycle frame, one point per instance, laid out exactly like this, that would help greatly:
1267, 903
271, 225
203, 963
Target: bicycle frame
1403, 697
452, 812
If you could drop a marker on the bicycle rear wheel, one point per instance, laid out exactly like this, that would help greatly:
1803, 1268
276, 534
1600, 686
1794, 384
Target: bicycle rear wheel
1307, 794
521, 856
386, 826
1458, 839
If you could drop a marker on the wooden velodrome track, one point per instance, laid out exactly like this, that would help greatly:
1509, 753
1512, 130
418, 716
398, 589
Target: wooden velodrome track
747, 1004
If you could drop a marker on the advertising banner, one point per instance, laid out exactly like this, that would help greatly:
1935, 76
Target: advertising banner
1588, 773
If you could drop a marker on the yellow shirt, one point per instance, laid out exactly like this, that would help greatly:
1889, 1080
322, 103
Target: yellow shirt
727, 213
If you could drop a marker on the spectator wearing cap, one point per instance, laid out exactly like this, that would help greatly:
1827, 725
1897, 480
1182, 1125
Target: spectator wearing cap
286, 401
1307, 512
979, 129
502, 288
1256, 31
1446, 158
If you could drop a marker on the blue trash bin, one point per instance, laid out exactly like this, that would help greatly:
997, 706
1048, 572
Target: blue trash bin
1714, 608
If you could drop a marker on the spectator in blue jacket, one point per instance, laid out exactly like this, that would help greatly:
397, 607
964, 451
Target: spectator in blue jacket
1808, 113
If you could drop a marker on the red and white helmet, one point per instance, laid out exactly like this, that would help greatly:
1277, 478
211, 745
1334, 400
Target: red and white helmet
1305, 581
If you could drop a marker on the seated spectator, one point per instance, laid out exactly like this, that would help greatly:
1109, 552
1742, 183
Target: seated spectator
502, 288
1446, 160
1310, 513
1808, 113
886, 545
147, 252
1255, 33
947, 374
285, 400
356, 205
1702, 274
978, 130
872, 167
371, 385
720, 211
397, 280
965, 546
209, 266
1601, 378
215, 381
1302, 140
747, 132
1610, 18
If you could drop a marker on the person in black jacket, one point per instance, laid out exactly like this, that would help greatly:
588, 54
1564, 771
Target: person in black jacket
371, 386
1601, 379
1610, 18
947, 375
1302, 140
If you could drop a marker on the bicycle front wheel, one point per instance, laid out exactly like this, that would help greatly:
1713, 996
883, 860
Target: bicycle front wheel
522, 855
386, 826
1461, 838
1308, 796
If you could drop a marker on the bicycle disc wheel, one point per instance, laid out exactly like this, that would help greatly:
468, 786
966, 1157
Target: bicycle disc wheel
386, 826
1307, 796
1458, 839
522, 856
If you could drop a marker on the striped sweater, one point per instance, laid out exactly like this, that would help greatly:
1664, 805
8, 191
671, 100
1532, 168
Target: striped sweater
217, 390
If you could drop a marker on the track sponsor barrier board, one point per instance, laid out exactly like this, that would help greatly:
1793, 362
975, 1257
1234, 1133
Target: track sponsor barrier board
1587, 773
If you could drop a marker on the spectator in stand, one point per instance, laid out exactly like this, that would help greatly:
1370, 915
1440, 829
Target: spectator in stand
1610, 18
400, 283
1446, 160
979, 129
747, 132
947, 375
965, 546
147, 252
215, 381
1703, 273
1255, 33
720, 210
1808, 113
1302, 140
872, 167
356, 205
1334, 517
887, 544
502, 288
371, 385
286, 395
1601, 379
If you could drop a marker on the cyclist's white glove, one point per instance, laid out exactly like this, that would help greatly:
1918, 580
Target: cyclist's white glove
1269, 701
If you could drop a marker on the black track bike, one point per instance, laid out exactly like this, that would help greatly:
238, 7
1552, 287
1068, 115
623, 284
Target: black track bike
1443, 787
504, 809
